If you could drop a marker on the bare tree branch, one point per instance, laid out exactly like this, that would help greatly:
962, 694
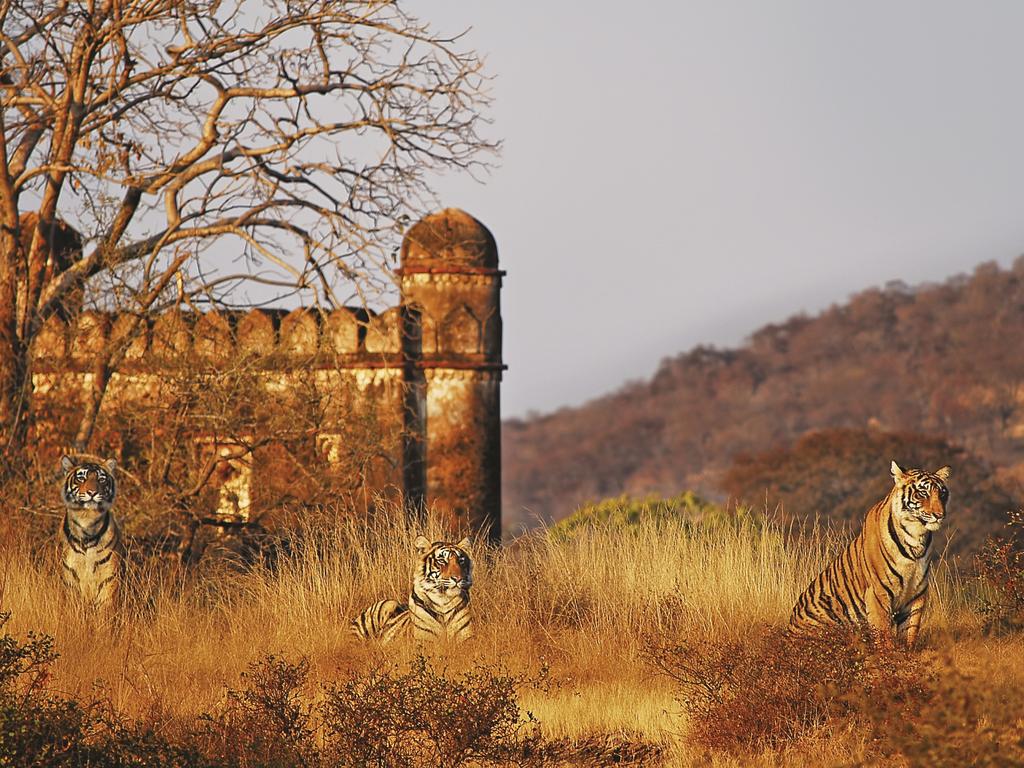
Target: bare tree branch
295, 137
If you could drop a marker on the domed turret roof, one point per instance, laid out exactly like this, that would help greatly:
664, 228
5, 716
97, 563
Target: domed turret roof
450, 238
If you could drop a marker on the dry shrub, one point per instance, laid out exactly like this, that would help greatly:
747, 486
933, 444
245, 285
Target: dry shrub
35, 727
267, 723
423, 717
961, 721
771, 688
43, 728
384, 718
1001, 566
612, 584
840, 473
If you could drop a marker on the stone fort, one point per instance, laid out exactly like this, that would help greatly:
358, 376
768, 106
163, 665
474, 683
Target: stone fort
429, 369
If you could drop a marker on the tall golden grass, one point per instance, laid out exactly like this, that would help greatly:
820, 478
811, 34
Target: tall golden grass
584, 607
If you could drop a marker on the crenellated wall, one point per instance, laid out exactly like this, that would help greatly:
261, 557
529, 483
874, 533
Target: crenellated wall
346, 337
429, 369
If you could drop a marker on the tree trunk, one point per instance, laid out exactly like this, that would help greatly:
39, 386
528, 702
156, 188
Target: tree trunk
98, 388
15, 381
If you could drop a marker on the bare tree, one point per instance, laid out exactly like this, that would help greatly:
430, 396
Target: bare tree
200, 146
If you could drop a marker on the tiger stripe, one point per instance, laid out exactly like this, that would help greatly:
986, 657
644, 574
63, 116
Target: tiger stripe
438, 605
881, 579
89, 543
384, 621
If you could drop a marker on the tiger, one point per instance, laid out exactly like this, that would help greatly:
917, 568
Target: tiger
90, 548
881, 579
438, 605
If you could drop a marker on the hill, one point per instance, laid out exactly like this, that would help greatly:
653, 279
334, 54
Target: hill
840, 474
939, 360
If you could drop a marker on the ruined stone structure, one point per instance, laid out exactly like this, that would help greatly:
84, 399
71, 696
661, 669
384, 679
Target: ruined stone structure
428, 371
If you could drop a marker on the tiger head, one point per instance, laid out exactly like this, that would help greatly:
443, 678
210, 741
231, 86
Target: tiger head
87, 485
920, 497
442, 571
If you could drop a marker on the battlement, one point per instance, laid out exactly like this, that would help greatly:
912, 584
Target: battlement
441, 344
348, 337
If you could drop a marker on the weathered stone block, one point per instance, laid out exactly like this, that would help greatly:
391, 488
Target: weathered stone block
450, 238
300, 333
407, 399
51, 344
212, 338
383, 333
341, 332
90, 336
126, 326
172, 336
256, 333
460, 332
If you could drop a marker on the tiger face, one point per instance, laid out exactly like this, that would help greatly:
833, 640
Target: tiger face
922, 496
442, 569
88, 486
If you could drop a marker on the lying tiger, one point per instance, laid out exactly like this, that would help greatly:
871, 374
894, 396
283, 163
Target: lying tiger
881, 579
438, 606
89, 543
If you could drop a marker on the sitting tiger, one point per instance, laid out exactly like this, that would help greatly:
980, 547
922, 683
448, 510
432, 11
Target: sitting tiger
438, 606
89, 543
881, 579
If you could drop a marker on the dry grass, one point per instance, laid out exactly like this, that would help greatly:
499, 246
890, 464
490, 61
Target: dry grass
586, 608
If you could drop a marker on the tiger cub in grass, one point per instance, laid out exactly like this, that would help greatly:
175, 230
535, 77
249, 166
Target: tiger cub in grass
89, 543
881, 579
438, 605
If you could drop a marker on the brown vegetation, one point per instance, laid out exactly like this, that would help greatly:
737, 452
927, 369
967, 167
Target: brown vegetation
190, 433
255, 666
837, 475
939, 360
1001, 565
769, 688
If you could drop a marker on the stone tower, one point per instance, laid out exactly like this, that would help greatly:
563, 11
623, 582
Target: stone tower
451, 287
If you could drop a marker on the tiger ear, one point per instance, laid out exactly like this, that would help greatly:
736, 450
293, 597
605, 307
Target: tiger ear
897, 472
465, 545
942, 474
110, 465
422, 544
66, 463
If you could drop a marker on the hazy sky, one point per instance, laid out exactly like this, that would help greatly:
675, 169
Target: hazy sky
678, 173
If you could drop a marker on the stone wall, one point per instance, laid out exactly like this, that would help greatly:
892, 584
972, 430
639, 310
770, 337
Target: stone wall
425, 375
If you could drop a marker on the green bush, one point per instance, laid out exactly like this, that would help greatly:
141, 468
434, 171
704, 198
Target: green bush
625, 511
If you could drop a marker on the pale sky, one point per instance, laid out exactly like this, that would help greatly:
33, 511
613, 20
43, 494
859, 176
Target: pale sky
679, 173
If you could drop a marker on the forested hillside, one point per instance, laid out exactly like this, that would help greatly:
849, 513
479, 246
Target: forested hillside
946, 361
